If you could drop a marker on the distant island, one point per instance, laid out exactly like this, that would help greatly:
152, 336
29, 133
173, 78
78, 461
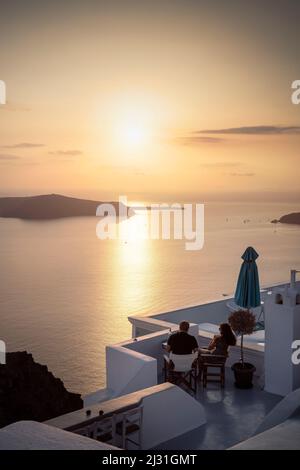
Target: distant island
293, 218
48, 206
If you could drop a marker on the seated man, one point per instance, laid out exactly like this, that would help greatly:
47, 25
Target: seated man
181, 342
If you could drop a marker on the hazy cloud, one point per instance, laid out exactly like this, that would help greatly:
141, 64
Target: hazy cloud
242, 174
66, 153
254, 130
7, 157
194, 139
221, 165
22, 145
198, 137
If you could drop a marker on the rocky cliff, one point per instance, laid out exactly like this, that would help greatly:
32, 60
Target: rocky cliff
28, 391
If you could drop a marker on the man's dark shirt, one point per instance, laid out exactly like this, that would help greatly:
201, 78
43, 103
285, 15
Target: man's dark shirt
182, 343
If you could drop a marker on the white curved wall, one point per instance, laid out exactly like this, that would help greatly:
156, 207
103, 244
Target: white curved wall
128, 371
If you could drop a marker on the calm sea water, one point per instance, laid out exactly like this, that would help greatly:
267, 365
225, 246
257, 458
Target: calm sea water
64, 294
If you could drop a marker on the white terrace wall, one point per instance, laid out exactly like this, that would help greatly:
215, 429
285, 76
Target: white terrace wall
128, 371
212, 312
169, 414
142, 326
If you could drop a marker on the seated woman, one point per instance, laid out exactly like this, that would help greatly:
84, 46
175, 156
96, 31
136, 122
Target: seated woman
220, 343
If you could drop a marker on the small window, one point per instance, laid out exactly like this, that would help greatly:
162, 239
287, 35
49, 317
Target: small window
298, 299
279, 299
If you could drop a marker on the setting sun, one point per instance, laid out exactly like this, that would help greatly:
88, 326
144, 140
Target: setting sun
134, 135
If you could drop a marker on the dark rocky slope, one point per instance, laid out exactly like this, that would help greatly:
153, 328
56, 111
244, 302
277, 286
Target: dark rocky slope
28, 391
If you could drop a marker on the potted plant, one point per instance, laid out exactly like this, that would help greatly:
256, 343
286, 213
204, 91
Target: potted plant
243, 323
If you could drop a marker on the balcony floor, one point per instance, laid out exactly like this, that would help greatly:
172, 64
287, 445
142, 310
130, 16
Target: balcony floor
232, 415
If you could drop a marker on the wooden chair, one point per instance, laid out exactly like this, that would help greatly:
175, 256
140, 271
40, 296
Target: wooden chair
129, 426
182, 369
103, 430
215, 362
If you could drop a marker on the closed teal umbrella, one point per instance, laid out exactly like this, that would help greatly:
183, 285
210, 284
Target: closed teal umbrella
247, 294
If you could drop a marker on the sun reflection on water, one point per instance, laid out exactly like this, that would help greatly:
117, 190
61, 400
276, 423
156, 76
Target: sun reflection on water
133, 263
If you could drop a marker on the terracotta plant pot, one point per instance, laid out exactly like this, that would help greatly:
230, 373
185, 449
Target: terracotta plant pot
243, 374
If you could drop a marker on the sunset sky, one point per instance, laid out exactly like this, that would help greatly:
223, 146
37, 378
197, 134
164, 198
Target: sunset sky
149, 98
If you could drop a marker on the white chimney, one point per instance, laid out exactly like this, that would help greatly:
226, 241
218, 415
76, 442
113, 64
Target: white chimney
282, 327
293, 278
